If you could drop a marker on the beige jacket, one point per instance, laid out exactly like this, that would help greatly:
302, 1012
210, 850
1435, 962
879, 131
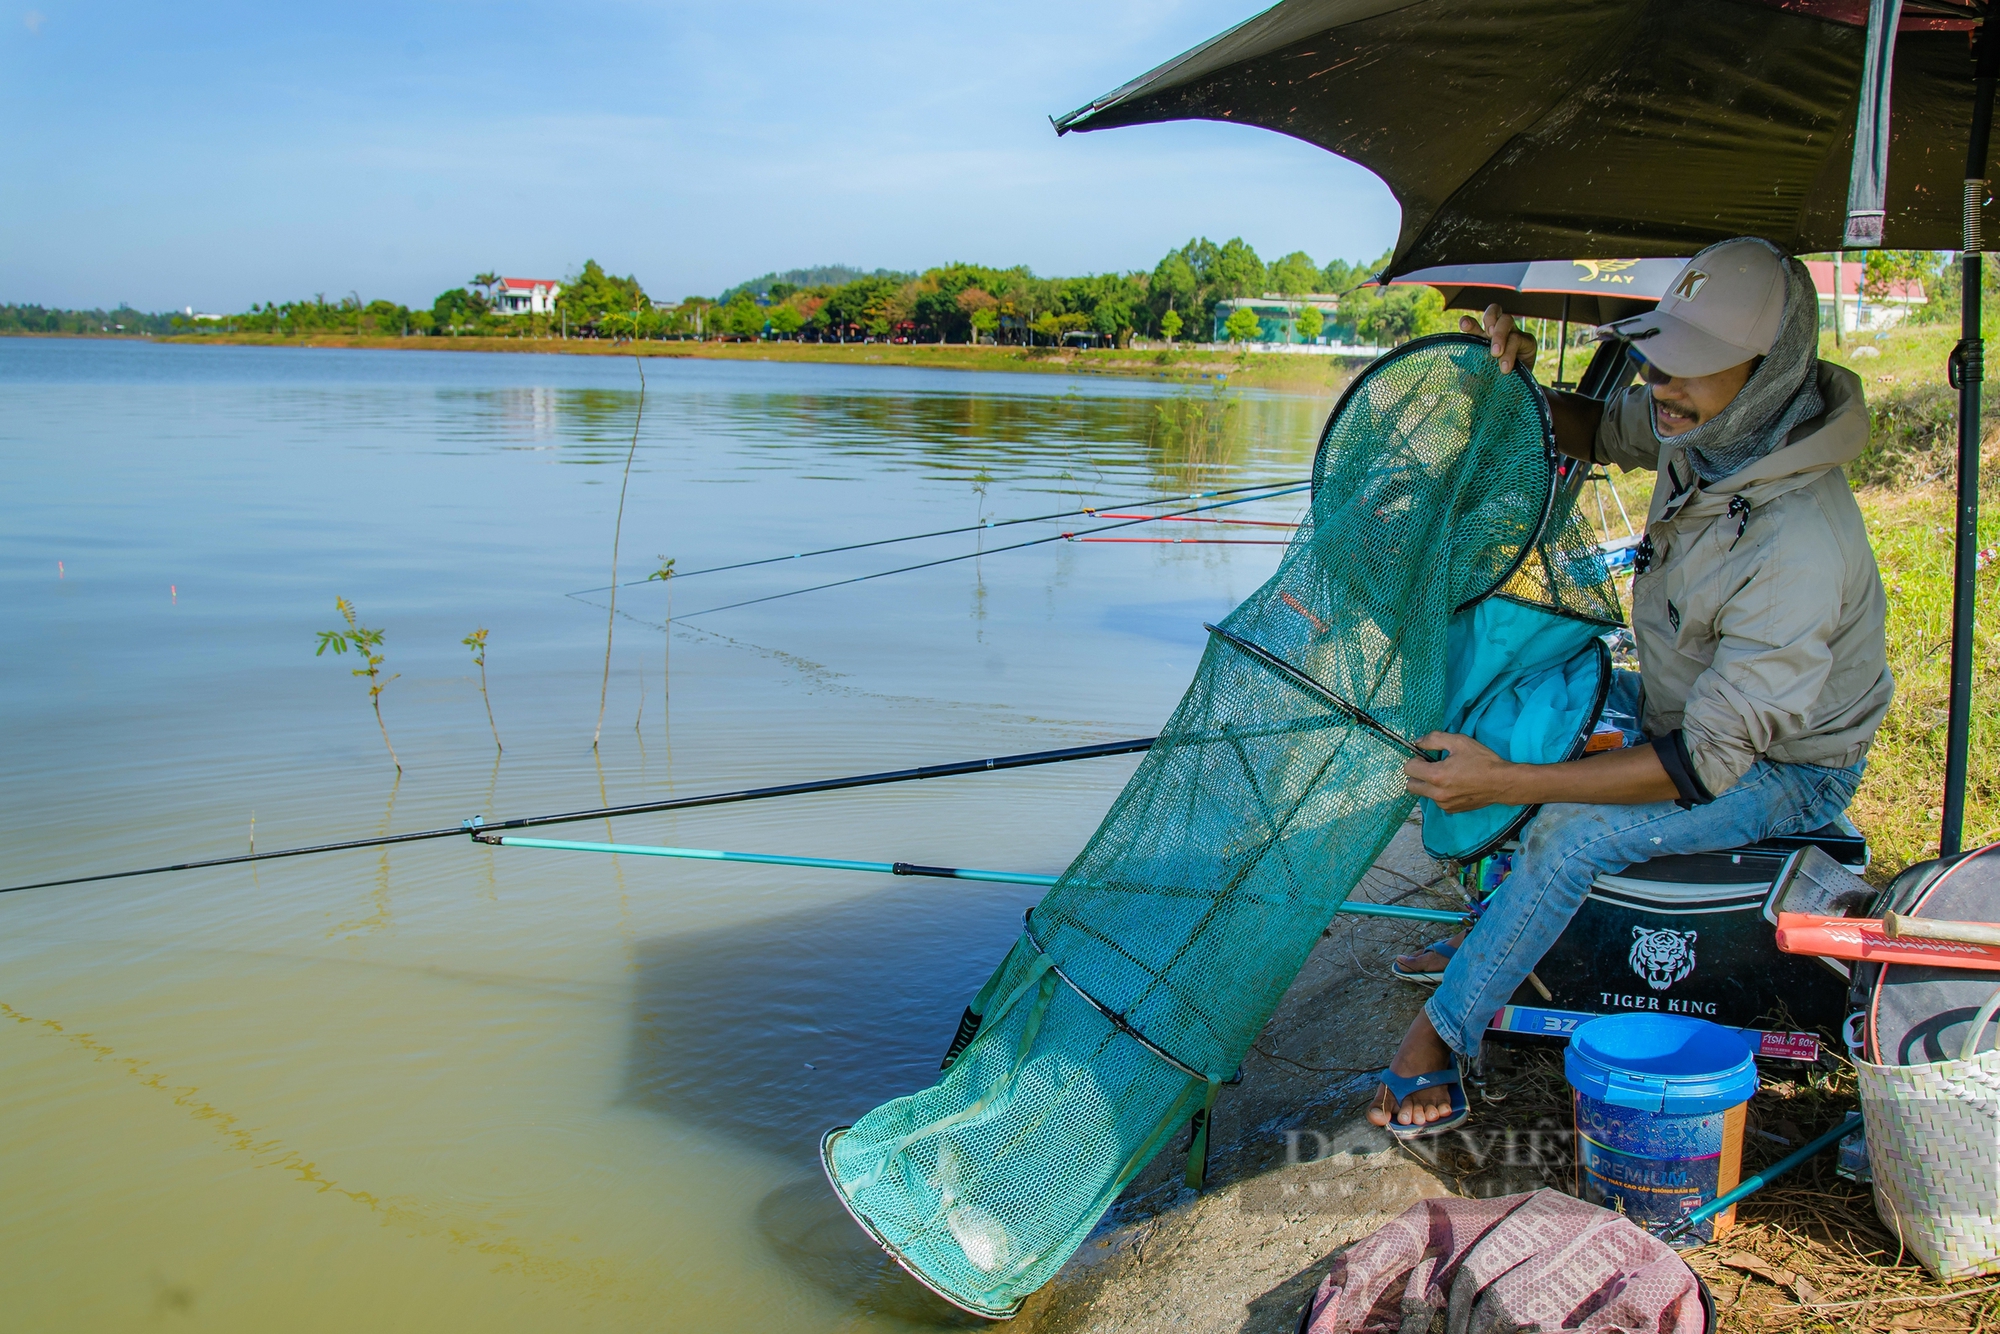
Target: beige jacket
1760, 633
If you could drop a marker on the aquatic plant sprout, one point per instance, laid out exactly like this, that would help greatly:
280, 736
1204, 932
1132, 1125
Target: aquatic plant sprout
1140, 980
476, 641
368, 644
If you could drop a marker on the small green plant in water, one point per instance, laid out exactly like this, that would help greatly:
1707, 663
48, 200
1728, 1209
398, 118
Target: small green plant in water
476, 641
367, 643
665, 575
1196, 434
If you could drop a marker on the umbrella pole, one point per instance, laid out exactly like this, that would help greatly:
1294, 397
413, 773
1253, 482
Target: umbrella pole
1562, 343
1967, 368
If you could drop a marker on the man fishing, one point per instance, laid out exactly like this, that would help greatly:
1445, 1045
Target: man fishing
1758, 615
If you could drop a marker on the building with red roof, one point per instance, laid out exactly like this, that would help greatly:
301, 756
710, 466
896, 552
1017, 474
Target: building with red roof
1862, 311
526, 296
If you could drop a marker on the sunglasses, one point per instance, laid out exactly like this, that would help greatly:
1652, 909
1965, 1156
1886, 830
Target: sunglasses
1648, 372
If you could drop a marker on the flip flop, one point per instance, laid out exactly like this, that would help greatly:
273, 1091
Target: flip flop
1402, 1088
1421, 978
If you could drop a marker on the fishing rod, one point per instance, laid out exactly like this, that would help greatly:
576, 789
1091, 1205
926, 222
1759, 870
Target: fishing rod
496, 839
1755, 1183
1026, 759
1194, 541
1082, 535
1237, 523
1093, 511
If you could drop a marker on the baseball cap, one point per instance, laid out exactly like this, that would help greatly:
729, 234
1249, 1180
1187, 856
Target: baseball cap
1724, 307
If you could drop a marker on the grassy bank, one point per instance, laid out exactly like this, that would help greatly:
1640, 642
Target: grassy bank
1906, 484
1291, 374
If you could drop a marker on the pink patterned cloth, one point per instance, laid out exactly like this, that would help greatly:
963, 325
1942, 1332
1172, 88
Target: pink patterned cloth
1540, 1261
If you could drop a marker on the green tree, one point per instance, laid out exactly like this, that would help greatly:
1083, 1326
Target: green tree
1341, 276
981, 310
786, 321
1294, 275
1113, 319
456, 308
1887, 270
1311, 322
1386, 316
1195, 277
1174, 284
741, 318
1170, 324
1242, 325
860, 308
1236, 270
592, 294
1053, 326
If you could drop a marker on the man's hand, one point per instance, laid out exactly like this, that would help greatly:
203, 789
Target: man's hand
1510, 345
1469, 777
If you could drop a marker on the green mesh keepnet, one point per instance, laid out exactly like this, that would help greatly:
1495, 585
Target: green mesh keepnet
1143, 976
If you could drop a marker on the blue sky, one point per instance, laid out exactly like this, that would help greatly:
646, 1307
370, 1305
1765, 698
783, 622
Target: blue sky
218, 153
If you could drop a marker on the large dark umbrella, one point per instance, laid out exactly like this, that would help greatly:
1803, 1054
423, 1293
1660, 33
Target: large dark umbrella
1521, 129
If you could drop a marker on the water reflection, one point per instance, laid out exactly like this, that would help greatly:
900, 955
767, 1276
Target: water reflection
773, 1031
1177, 442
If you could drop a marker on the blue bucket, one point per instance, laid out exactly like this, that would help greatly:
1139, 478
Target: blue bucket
1659, 1116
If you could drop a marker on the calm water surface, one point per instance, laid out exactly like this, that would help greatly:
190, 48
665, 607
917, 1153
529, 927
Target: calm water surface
451, 1087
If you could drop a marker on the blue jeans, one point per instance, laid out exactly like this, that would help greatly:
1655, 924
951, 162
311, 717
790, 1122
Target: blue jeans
1566, 847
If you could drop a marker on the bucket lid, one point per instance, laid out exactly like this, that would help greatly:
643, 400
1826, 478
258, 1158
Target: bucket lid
1668, 1063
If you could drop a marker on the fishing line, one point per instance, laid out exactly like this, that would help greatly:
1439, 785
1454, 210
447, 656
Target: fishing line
1093, 511
1079, 536
1024, 760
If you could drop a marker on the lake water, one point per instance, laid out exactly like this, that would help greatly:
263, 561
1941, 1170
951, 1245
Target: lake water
442, 1086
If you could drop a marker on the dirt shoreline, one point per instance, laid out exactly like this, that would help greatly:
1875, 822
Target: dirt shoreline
1290, 374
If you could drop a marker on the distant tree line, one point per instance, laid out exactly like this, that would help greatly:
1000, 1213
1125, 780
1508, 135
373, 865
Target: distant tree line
51, 320
953, 303
963, 303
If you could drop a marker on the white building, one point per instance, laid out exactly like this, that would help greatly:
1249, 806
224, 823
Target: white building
526, 296
1860, 312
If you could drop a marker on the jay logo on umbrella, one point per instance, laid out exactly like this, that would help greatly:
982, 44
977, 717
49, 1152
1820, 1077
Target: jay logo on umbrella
1605, 270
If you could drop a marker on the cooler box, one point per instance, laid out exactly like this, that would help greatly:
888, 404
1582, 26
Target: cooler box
1687, 935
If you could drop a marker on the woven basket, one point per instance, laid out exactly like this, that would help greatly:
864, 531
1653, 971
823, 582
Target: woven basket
1934, 1150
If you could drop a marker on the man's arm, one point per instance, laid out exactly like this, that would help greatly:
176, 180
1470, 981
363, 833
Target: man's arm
1472, 776
1574, 416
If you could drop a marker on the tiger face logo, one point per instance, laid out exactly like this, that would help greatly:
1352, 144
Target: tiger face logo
1662, 957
